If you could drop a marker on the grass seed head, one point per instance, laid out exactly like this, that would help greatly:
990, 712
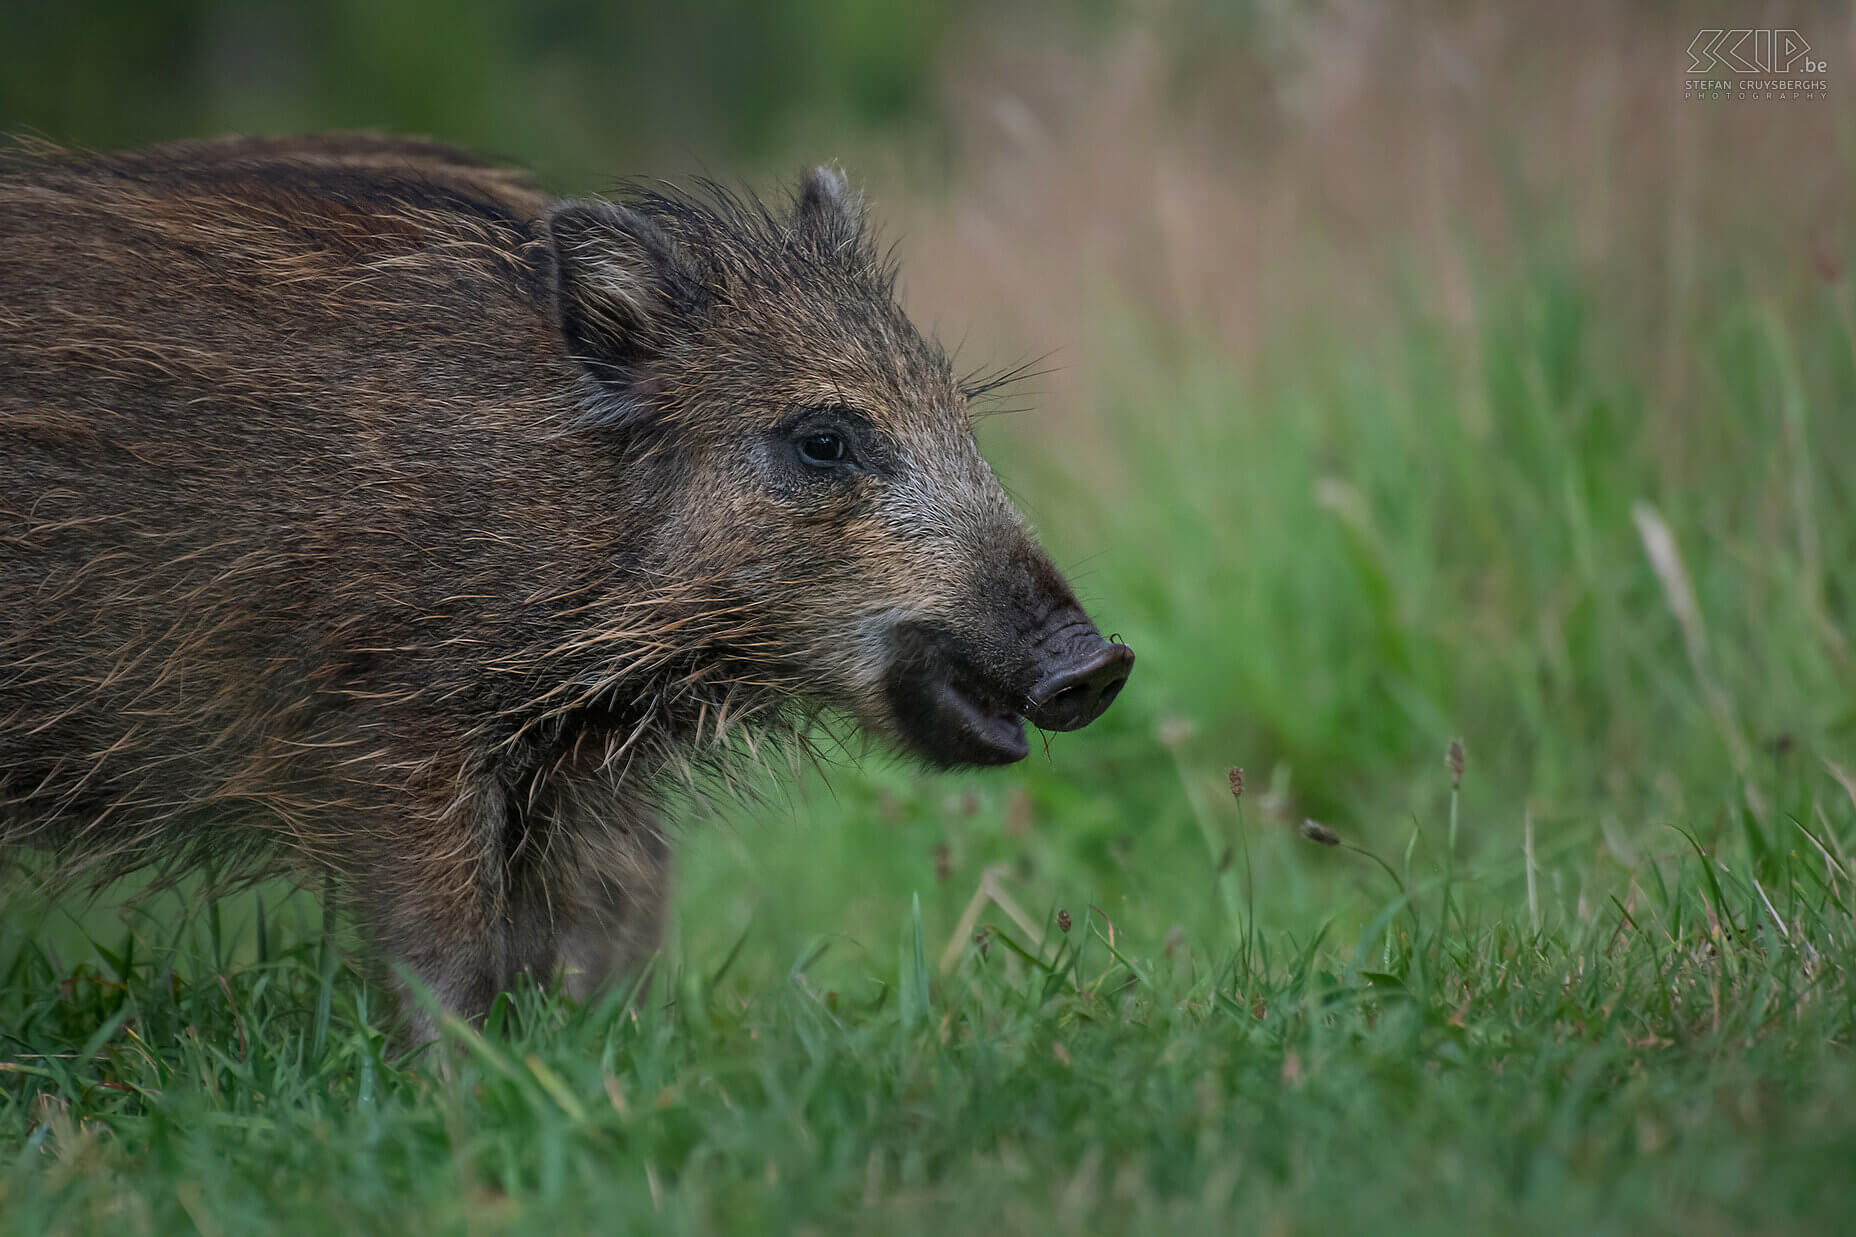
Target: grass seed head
1827, 260
1236, 776
1453, 760
1174, 732
1315, 831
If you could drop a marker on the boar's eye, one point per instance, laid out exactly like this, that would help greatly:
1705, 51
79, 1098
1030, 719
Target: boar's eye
823, 448
833, 440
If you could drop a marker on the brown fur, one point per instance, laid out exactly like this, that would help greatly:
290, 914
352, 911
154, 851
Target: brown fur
363, 513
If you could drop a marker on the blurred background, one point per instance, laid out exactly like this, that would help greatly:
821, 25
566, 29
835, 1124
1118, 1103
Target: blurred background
1401, 372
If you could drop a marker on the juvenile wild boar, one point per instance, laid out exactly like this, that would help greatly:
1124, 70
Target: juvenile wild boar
365, 514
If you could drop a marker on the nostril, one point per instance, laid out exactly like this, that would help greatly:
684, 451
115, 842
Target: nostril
1078, 694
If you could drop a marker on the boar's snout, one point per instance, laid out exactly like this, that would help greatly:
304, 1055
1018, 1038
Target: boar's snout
960, 701
1081, 682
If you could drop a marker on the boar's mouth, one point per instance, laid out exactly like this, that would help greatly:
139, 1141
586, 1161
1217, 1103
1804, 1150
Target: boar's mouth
952, 709
946, 709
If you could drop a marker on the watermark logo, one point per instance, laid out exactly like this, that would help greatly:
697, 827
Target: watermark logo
1770, 64
1752, 51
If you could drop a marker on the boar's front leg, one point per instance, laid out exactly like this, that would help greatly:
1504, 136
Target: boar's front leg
456, 897
617, 894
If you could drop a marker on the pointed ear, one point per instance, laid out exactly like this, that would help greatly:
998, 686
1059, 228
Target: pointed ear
825, 211
623, 291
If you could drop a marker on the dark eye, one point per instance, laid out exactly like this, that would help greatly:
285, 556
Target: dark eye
823, 448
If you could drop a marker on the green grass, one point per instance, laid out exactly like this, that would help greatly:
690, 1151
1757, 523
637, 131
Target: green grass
1603, 988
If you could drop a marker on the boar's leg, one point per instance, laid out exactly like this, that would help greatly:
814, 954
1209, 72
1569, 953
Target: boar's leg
616, 896
472, 894
458, 899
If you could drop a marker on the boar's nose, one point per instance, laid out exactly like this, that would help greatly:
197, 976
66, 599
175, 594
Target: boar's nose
1076, 691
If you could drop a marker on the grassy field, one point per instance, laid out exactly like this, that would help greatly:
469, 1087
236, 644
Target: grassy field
1588, 507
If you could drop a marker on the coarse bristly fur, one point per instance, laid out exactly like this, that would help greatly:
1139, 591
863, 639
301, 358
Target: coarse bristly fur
365, 514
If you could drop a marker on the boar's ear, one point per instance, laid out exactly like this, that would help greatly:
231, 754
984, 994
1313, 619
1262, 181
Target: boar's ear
623, 291
826, 214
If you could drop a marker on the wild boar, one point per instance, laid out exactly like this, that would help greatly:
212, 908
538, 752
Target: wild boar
364, 513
